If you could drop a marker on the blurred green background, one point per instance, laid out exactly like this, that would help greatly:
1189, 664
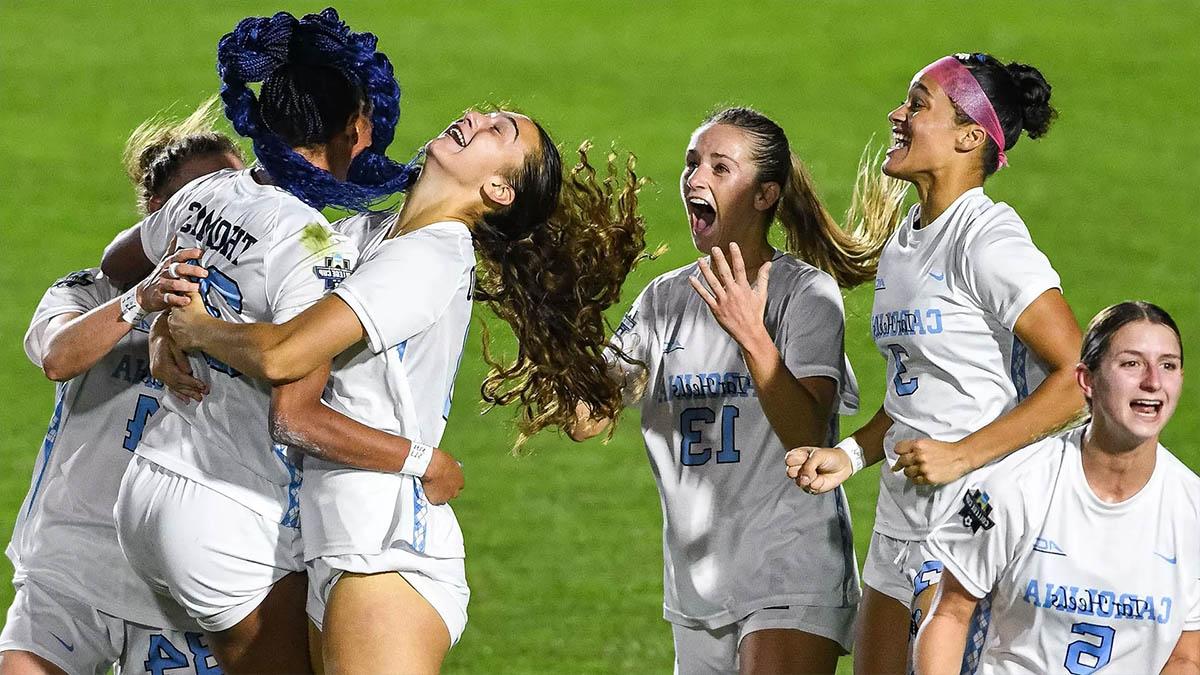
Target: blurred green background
564, 552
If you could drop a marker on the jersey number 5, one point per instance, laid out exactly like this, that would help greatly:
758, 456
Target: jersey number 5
1085, 657
693, 436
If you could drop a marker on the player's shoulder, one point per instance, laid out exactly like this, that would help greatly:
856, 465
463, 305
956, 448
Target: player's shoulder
1030, 473
983, 220
1181, 478
790, 274
88, 280
445, 247
671, 284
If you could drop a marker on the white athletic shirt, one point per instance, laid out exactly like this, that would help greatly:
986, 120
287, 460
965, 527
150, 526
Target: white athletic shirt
365, 230
947, 297
269, 256
738, 535
64, 537
1076, 582
412, 295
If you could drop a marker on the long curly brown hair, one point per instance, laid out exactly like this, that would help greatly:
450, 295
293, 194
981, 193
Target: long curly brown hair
549, 265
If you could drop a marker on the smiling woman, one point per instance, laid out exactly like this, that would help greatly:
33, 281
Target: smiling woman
1044, 559
728, 375
387, 583
970, 316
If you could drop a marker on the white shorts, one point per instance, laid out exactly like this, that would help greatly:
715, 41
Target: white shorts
441, 581
81, 639
900, 569
216, 558
709, 651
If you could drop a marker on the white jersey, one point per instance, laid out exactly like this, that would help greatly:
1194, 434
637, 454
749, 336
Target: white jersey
947, 297
365, 230
738, 535
412, 295
269, 256
1075, 581
64, 538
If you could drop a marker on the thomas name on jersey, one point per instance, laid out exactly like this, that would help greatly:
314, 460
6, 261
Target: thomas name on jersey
1098, 602
214, 233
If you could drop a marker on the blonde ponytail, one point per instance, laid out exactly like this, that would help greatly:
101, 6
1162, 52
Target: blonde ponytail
851, 254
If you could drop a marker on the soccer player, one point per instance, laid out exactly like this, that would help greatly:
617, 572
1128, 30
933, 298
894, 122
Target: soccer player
79, 607
208, 510
1085, 546
979, 341
386, 575
758, 576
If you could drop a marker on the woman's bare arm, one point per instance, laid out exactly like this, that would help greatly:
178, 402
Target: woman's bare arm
299, 419
278, 353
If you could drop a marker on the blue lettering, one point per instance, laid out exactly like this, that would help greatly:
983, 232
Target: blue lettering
1031, 593
936, 316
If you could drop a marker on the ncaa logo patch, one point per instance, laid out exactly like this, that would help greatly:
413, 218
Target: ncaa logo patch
976, 511
628, 323
334, 271
80, 278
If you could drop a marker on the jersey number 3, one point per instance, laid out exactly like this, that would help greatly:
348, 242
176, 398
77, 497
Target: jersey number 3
904, 387
692, 423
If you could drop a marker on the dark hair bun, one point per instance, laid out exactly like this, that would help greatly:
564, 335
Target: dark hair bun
1036, 112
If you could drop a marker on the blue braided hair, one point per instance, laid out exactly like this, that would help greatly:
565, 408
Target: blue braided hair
312, 69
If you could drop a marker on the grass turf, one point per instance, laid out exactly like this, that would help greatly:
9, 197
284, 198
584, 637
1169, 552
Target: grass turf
564, 544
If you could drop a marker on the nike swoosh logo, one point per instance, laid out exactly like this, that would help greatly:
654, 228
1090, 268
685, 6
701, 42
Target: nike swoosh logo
68, 647
1172, 560
674, 347
939, 277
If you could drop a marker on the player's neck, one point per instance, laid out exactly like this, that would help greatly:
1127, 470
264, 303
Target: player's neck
426, 208
755, 250
938, 192
1115, 465
315, 156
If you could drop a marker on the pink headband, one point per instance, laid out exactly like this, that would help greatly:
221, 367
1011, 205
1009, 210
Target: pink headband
963, 89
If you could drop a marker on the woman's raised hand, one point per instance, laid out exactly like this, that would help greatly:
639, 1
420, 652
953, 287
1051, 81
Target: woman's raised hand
737, 305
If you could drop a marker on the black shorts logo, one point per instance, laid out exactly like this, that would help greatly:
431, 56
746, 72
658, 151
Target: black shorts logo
976, 511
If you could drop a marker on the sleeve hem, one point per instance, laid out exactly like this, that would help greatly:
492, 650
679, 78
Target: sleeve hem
374, 339
1025, 299
971, 585
834, 374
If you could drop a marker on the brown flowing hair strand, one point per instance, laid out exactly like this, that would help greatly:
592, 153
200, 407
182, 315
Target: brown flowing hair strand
550, 279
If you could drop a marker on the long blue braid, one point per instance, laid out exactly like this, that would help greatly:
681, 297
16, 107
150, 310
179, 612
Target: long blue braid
260, 45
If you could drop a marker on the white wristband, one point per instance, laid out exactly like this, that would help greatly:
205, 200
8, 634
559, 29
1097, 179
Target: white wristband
132, 313
854, 451
419, 456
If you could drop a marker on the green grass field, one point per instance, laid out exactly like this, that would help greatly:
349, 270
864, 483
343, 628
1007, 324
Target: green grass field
564, 544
